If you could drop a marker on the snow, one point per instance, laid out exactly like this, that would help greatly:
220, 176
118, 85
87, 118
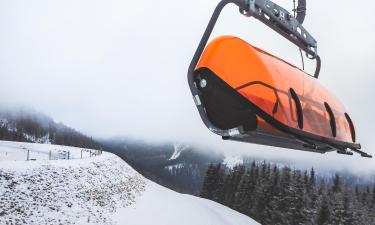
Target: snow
161, 206
232, 160
178, 148
78, 191
97, 190
43, 140
176, 166
18, 151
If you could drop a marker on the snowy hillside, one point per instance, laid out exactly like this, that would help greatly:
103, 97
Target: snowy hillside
96, 190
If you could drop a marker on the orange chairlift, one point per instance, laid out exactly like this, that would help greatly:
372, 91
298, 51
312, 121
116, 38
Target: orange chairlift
246, 94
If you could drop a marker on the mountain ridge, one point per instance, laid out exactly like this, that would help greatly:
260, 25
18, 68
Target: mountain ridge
28, 125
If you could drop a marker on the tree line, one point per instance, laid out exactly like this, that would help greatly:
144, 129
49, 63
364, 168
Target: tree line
25, 126
277, 196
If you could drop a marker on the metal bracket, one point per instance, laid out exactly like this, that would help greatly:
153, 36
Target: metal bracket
363, 154
283, 22
344, 152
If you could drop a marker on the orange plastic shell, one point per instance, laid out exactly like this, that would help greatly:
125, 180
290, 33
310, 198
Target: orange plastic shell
265, 79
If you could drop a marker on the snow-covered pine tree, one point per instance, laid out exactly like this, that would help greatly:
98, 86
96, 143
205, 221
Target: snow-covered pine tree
336, 183
312, 197
275, 198
254, 183
298, 209
306, 181
244, 192
348, 216
371, 214
219, 183
337, 201
312, 177
261, 192
225, 188
323, 216
285, 195
208, 183
235, 179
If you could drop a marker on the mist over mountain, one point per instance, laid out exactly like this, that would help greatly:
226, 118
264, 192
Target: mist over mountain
178, 166
174, 164
27, 125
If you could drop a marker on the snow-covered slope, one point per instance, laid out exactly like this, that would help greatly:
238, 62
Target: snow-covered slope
97, 190
178, 149
161, 206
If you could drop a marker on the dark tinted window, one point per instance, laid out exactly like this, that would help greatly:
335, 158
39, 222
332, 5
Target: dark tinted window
332, 120
351, 125
298, 107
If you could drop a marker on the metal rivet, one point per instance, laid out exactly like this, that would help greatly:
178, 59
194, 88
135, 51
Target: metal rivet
203, 83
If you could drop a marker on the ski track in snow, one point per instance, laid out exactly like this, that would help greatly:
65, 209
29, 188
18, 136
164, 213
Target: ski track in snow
97, 190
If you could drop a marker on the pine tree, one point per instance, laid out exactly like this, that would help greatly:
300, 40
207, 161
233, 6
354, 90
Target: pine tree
226, 187
348, 217
312, 177
219, 183
285, 196
298, 210
243, 195
253, 183
272, 214
306, 183
262, 192
208, 183
337, 202
322, 187
253, 192
371, 214
324, 213
336, 183
365, 197
312, 198
234, 180
357, 194
212, 183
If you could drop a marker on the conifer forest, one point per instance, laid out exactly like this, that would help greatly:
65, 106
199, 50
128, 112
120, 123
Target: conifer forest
275, 195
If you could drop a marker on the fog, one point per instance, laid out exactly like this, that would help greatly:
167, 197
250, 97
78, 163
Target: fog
118, 68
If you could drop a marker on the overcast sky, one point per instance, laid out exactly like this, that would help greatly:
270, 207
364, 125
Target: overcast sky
118, 68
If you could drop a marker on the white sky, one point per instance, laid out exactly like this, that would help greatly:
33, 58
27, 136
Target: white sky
118, 68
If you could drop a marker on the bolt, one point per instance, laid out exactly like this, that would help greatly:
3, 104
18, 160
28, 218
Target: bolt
276, 12
203, 83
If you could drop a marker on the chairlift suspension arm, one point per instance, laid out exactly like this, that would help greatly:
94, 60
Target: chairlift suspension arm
275, 17
301, 11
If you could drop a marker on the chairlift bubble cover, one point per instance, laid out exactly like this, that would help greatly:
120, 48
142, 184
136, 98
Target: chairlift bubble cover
271, 101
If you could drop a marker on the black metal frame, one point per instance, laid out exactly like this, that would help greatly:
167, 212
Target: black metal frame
287, 27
